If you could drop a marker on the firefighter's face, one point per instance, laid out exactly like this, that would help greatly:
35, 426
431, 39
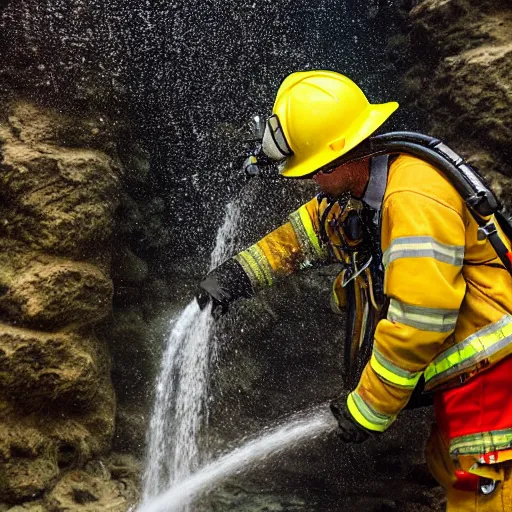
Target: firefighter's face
351, 177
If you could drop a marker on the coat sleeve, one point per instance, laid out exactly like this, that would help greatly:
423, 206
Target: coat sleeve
423, 242
291, 247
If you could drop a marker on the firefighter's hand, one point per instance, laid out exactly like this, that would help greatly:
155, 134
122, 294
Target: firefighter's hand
349, 430
222, 286
210, 290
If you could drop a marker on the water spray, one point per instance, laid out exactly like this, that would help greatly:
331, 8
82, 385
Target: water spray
182, 385
286, 435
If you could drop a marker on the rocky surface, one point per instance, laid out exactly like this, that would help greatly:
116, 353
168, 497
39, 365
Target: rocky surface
58, 196
80, 224
458, 73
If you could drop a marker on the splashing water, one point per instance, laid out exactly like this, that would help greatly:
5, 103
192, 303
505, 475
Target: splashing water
182, 385
282, 437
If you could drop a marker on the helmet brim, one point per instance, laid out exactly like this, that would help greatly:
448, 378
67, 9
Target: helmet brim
369, 121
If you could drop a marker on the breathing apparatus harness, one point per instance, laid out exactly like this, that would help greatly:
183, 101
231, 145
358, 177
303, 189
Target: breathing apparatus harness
478, 197
356, 227
351, 230
480, 200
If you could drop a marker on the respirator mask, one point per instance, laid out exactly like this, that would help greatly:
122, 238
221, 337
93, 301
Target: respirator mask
270, 147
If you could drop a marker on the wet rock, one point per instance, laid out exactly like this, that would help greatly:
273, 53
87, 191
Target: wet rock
135, 165
132, 423
461, 80
124, 466
57, 203
132, 338
247, 499
142, 226
36, 447
57, 198
27, 507
83, 496
49, 293
78, 490
98, 469
129, 269
38, 368
62, 444
33, 126
27, 478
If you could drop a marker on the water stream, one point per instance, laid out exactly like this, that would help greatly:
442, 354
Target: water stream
284, 436
182, 385
175, 472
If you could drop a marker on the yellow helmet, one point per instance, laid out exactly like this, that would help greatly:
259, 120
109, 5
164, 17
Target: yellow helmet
319, 116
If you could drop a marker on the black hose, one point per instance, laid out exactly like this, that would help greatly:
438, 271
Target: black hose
415, 137
472, 190
430, 156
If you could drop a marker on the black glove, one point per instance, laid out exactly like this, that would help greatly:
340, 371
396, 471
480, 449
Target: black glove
350, 431
223, 285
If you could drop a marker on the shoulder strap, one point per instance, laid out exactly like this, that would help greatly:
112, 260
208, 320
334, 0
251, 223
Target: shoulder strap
487, 230
479, 198
377, 183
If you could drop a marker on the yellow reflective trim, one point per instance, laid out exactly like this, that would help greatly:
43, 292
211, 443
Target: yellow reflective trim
308, 226
480, 443
480, 345
366, 416
256, 278
256, 266
391, 373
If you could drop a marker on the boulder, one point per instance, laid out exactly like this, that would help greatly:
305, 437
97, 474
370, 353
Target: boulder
49, 293
460, 80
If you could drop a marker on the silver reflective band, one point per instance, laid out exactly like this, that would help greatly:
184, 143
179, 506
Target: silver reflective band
423, 247
424, 319
274, 143
392, 373
487, 486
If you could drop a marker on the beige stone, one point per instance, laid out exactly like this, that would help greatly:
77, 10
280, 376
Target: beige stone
39, 367
49, 293
58, 194
78, 490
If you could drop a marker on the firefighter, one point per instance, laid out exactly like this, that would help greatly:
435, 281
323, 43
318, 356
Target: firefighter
413, 251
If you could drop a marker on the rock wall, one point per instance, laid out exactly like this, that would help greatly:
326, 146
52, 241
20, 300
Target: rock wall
458, 75
68, 157
59, 191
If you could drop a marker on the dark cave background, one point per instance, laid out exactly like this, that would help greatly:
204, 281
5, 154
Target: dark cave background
190, 75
